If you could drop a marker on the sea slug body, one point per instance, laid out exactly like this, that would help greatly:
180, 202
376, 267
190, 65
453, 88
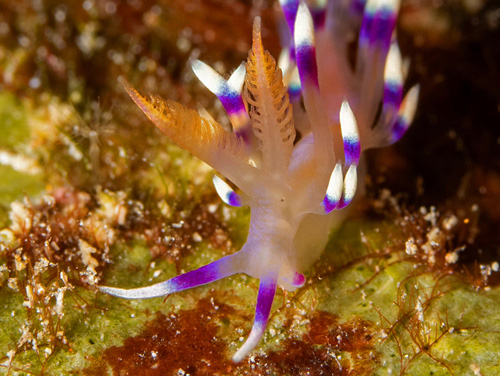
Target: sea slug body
295, 168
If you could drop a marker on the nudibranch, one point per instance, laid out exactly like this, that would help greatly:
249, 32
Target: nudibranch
298, 129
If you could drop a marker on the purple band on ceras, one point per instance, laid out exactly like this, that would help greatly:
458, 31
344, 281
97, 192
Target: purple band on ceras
382, 27
294, 92
289, 8
350, 135
357, 7
233, 104
346, 186
393, 93
393, 79
352, 150
305, 55
329, 204
350, 185
334, 190
366, 23
229, 94
231, 100
399, 129
341, 190
319, 16
406, 114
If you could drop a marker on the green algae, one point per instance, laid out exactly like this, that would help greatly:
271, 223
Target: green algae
13, 124
26, 180
14, 185
446, 337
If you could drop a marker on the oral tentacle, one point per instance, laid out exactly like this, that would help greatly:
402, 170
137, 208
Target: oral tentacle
214, 271
267, 290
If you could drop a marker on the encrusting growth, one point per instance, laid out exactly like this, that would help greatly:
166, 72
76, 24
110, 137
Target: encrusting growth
295, 189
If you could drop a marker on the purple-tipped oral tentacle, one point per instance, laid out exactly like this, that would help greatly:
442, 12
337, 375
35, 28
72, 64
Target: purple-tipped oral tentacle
350, 135
226, 193
267, 290
406, 114
214, 271
334, 190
